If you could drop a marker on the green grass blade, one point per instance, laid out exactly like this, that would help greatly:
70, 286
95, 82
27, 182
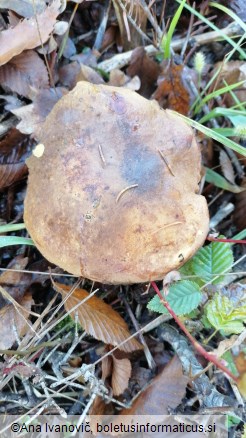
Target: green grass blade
212, 26
11, 227
212, 134
217, 93
14, 240
166, 40
229, 12
219, 181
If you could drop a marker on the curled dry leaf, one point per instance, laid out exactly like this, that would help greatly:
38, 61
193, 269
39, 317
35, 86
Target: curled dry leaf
231, 72
26, 35
23, 8
119, 177
14, 149
146, 69
165, 391
119, 369
24, 74
240, 207
13, 321
227, 167
171, 91
15, 283
98, 318
33, 115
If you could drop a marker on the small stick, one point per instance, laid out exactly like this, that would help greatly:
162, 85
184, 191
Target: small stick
166, 226
166, 162
209, 357
101, 154
125, 190
215, 239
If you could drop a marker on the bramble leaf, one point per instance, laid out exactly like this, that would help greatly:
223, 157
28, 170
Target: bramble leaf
211, 260
224, 316
183, 297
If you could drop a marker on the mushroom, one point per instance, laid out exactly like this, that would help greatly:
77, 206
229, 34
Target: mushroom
113, 195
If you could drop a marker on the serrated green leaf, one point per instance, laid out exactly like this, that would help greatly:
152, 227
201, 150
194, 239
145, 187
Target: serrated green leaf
211, 260
224, 316
183, 297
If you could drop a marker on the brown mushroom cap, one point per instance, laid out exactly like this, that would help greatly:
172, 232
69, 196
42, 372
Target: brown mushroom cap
114, 197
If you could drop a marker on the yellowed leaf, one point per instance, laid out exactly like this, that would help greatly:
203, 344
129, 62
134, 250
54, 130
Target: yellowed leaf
99, 319
26, 35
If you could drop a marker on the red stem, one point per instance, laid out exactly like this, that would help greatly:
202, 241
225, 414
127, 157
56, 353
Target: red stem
214, 239
209, 357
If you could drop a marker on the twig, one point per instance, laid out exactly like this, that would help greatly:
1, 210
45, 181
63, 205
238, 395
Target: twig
122, 59
215, 239
209, 357
125, 190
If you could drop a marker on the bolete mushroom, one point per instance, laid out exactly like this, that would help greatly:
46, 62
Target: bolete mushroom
112, 196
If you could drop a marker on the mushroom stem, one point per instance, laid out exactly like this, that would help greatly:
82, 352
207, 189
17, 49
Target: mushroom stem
208, 356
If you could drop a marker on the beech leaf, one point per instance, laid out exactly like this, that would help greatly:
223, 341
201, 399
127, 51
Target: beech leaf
25, 35
121, 374
166, 391
99, 319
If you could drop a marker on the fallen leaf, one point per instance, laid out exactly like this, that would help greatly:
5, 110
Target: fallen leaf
26, 35
33, 115
15, 283
118, 78
231, 72
14, 149
240, 207
146, 69
24, 74
121, 374
240, 362
227, 167
13, 321
171, 92
165, 391
98, 318
24, 8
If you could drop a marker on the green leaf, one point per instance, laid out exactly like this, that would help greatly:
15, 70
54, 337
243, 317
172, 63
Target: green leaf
224, 316
166, 40
212, 134
183, 297
11, 227
13, 240
219, 181
212, 260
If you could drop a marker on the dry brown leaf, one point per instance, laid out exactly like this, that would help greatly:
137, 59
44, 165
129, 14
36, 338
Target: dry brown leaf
166, 391
120, 375
171, 92
239, 215
240, 362
13, 321
118, 78
15, 283
14, 149
25, 35
99, 319
24, 8
24, 74
227, 167
231, 72
146, 69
